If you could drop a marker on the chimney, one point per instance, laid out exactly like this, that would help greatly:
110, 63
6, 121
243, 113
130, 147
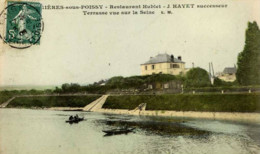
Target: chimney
179, 57
172, 58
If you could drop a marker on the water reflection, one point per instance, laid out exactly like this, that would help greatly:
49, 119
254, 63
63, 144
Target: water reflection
158, 127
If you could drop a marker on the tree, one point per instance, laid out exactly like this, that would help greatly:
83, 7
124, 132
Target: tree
197, 77
248, 61
160, 78
57, 90
68, 88
74, 87
65, 87
133, 82
116, 81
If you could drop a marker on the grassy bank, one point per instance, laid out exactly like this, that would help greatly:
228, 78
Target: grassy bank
52, 101
189, 102
6, 95
4, 98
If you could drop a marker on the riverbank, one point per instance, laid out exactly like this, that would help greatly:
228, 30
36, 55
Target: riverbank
188, 102
237, 107
210, 106
52, 101
231, 116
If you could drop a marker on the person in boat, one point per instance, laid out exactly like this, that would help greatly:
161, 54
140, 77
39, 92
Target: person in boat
76, 117
71, 117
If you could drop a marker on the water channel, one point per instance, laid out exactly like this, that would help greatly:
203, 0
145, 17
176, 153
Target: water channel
27, 131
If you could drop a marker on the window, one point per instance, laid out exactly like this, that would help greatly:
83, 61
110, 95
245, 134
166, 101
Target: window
175, 66
145, 67
153, 67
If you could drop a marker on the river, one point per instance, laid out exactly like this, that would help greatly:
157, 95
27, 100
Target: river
26, 131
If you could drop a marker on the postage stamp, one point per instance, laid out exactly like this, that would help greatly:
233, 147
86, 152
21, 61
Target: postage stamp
23, 24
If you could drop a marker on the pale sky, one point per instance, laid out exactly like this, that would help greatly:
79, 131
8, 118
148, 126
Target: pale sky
78, 49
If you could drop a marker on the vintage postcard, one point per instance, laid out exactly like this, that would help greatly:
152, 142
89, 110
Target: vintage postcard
129, 76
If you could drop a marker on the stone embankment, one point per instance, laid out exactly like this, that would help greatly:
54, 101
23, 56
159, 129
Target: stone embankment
236, 116
96, 106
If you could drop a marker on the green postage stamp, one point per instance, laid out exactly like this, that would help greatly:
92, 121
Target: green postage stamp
23, 25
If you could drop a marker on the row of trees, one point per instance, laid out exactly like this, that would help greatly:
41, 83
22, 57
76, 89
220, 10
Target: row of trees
196, 77
140, 81
118, 82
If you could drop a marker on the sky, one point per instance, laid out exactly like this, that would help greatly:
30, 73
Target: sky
83, 49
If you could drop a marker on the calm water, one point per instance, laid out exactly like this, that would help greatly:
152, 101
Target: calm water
25, 131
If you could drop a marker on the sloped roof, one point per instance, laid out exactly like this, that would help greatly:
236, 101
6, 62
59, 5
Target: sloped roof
230, 70
163, 58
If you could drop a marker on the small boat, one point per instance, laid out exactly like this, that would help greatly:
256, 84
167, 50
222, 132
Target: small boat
118, 131
75, 120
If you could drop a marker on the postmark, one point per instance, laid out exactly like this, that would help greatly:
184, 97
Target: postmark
22, 24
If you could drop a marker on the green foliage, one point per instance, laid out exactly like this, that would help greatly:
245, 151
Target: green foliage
4, 98
248, 61
189, 102
139, 81
96, 89
52, 101
117, 80
125, 102
197, 77
128, 82
161, 78
73, 87
221, 83
6, 95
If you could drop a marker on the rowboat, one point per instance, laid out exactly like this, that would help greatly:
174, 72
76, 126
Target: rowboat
118, 131
75, 120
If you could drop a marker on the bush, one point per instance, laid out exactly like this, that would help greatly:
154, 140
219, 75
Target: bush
197, 77
221, 83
